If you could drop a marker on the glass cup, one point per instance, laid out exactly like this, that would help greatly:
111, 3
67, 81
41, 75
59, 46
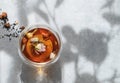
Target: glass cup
39, 64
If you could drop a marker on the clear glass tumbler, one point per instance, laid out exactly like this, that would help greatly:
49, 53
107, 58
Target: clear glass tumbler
25, 59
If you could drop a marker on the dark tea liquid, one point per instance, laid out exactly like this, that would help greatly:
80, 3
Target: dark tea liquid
39, 45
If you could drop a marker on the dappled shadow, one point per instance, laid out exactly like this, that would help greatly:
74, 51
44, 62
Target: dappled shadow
89, 44
25, 9
86, 78
108, 4
71, 37
10, 47
112, 18
93, 45
22, 13
113, 78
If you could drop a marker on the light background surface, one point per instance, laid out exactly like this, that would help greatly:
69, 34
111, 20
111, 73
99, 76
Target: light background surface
90, 34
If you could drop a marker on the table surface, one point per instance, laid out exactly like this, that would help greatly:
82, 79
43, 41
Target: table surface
90, 35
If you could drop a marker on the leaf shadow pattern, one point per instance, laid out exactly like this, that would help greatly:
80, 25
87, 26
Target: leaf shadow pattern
22, 13
111, 17
93, 45
24, 9
58, 3
70, 36
10, 47
42, 14
31, 75
113, 78
89, 44
86, 78
108, 4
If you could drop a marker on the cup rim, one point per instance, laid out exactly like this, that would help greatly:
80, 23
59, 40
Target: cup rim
36, 64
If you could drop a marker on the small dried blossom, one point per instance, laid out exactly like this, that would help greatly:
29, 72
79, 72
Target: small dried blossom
52, 56
40, 47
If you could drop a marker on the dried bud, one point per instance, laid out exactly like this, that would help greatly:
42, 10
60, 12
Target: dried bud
4, 15
16, 22
29, 35
40, 47
22, 27
7, 25
24, 40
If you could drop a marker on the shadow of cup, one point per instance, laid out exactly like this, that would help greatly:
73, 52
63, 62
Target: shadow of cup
51, 74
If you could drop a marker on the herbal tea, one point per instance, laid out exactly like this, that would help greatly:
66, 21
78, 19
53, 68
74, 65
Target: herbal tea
39, 45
